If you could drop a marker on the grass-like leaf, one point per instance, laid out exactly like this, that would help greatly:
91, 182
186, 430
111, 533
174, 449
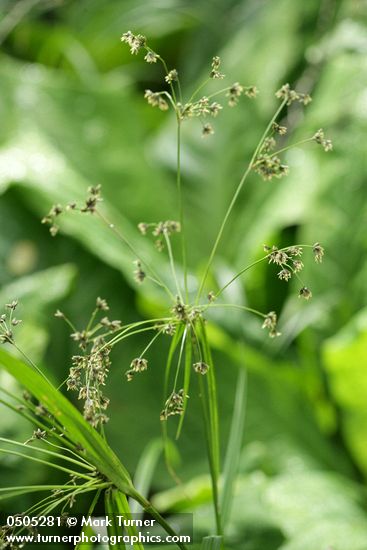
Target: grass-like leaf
212, 543
78, 430
145, 471
234, 446
112, 511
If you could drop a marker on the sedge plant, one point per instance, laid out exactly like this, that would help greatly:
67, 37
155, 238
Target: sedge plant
77, 444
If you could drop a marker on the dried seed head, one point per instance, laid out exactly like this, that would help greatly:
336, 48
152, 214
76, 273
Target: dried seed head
281, 130
319, 137
278, 257
211, 296
214, 108
318, 252
286, 93
201, 367
305, 293
251, 91
12, 306
284, 275
207, 130
269, 167
295, 250
172, 76
151, 57
59, 314
169, 329
297, 266
54, 229
39, 434
143, 228
180, 310
235, 91
155, 99
139, 273
139, 364
270, 323
136, 42
215, 73
174, 404
101, 304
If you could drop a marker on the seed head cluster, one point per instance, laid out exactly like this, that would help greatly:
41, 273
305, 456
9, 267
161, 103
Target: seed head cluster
90, 205
8, 322
89, 371
174, 405
288, 260
194, 107
319, 137
270, 323
290, 96
160, 229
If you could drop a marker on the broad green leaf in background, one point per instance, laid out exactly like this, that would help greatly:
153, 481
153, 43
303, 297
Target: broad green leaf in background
36, 294
344, 357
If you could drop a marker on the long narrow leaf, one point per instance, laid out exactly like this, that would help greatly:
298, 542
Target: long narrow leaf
212, 543
87, 529
145, 471
121, 505
97, 451
187, 377
234, 446
210, 411
113, 530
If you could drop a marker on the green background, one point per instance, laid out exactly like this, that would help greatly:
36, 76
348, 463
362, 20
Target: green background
72, 115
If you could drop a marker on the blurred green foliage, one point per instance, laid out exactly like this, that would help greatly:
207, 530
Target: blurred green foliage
72, 114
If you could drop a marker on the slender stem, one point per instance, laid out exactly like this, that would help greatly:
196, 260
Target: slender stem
149, 508
68, 322
132, 249
39, 460
170, 83
291, 146
91, 320
234, 199
119, 339
237, 306
219, 92
130, 329
150, 343
253, 264
200, 88
172, 264
169, 97
181, 206
179, 89
50, 453
69, 451
180, 358
35, 421
31, 363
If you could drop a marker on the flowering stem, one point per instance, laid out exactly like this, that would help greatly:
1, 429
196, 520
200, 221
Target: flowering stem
291, 146
200, 88
180, 205
180, 358
237, 306
234, 199
50, 453
172, 264
150, 344
41, 461
131, 248
170, 83
252, 265
31, 363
